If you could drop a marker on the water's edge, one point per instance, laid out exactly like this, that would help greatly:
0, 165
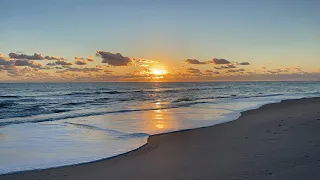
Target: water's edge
235, 115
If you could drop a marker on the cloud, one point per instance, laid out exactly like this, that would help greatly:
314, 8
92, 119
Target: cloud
27, 63
210, 72
89, 58
194, 61
143, 63
86, 70
102, 66
80, 62
35, 56
5, 62
12, 71
235, 70
60, 62
282, 71
114, 59
219, 61
244, 63
140, 60
53, 58
7, 67
230, 66
51, 64
27, 73
9, 64
193, 71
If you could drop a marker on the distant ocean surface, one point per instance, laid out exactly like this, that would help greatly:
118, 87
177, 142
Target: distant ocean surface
54, 124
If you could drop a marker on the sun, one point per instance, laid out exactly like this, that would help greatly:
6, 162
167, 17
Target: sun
158, 72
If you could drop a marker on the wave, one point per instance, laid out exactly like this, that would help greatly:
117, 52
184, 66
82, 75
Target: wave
96, 92
84, 93
268, 95
133, 135
100, 92
5, 104
27, 100
60, 114
258, 96
233, 96
182, 100
60, 110
176, 90
91, 127
201, 98
113, 92
215, 97
315, 93
113, 133
76, 103
9, 96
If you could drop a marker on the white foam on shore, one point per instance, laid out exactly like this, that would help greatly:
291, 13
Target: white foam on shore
44, 145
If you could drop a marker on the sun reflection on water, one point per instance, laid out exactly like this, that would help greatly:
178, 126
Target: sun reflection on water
159, 119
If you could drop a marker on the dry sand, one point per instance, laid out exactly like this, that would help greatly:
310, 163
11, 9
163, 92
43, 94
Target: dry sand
277, 141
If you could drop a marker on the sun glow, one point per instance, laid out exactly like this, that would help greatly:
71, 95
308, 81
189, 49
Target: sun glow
158, 72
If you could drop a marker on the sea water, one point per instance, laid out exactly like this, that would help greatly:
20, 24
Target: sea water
46, 125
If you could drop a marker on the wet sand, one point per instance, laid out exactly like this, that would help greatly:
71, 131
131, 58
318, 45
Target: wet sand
276, 141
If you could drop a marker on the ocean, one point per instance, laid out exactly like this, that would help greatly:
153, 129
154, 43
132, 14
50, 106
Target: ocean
46, 125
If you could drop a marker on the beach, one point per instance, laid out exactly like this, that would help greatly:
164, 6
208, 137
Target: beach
276, 141
159, 90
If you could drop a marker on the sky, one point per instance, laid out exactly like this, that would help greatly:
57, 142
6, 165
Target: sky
159, 40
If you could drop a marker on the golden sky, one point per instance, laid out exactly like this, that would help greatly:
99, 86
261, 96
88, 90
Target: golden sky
167, 40
108, 66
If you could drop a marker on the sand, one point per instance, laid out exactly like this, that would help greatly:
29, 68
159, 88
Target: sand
277, 141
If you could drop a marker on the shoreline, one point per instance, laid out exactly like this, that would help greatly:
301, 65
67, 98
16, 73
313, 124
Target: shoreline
154, 141
234, 116
149, 136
